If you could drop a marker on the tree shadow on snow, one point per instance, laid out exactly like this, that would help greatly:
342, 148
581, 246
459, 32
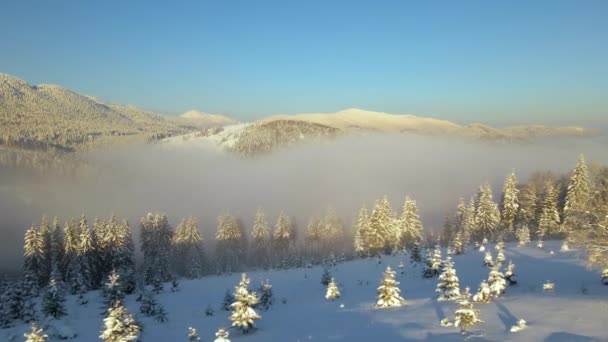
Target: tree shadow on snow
568, 337
507, 318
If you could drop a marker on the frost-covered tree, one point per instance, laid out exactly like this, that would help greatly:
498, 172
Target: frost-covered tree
549, 221
243, 315
528, 206
332, 290
85, 263
188, 249
497, 281
282, 235
193, 335
44, 230
27, 298
57, 248
409, 224
578, 196
260, 240
596, 246
457, 245
11, 303
483, 293
487, 216
151, 308
221, 336
266, 296
383, 234
433, 264
466, 315
416, 253
119, 325
333, 231
389, 294
228, 300
509, 202
36, 334
33, 250
53, 300
71, 243
523, 235
510, 274
468, 224
448, 287
111, 291
156, 236
488, 260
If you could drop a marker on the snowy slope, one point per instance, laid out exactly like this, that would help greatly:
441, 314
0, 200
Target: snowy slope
563, 315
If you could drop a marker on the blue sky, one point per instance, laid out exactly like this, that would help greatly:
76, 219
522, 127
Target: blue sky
488, 61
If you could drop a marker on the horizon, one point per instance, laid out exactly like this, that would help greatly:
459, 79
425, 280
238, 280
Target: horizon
488, 63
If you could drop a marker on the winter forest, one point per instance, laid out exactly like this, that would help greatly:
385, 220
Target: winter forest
97, 263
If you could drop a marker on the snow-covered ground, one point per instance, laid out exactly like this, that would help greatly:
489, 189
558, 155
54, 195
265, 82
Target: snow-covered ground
226, 138
577, 309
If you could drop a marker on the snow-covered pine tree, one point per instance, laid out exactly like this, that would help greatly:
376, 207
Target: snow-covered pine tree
314, 234
86, 258
10, 303
500, 256
27, 298
332, 290
549, 221
111, 291
281, 238
156, 236
188, 249
523, 235
509, 204
448, 232
389, 294
578, 196
528, 206
260, 240
33, 250
266, 297
483, 293
47, 251
469, 225
433, 264
221, 336
488, 260
416, 253
151, 308
448, 287
361, 232
487, 216
243, 315
333, 232
193, 335
71, 242
36, 334
497, 281
119, 325
53, 300
409, 224
457, 245
383, 234
466, 315
510, 274
56, 248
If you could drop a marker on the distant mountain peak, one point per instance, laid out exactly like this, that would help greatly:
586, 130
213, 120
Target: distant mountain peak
214, 119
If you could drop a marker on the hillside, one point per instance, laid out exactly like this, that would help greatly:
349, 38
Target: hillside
49, 116
574, 311
203, 120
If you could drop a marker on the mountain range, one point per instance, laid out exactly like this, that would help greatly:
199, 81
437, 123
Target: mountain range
52, 117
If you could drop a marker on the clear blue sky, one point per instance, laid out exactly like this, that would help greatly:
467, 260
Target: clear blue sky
489, 61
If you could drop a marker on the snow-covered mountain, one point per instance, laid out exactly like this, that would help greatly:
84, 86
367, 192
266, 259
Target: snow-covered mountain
202, 119
573, 311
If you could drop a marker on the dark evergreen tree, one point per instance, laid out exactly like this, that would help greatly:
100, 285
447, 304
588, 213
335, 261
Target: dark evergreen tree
53, 301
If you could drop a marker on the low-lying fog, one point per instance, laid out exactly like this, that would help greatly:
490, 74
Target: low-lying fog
303, 181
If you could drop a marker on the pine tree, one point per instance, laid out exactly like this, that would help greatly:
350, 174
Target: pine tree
362, 233
53, 301
47, 250
36, 335
243, 315
457, 245
383, 234
151, 308
156, 236
10, 304
333, 232
469, 225
326, 277
260, 236
409, 224
448, 286
111, 291
415, 253
549, 221
266, 297
576, 208
282, 237
488, 260
487, 215
433, 264
188, 249
466, 315
528, 206
483, 293
510, 274
119, 325
497, 281
389, 294
523, 235
86, 262
56, 248
509, 203
221, 336
27, 298
34, 263
231, 243
332, 290
228, 300
193, 335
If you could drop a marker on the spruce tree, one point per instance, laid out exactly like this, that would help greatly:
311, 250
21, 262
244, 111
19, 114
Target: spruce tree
332, 290
53, 301
528, 206
483, 294
314, 235
260, 237
487, 216
221, 336
362, 233
466, 315
188, 249
231, 243
523, 235
383, 234
409, 224
47, 252
389, 294
433, 264
578, 196
549, 220
266, 297
36, 334
333, 232
509, 203
156, 236
111, 291
243, 315
510, 274
57, 248
119, 325
193, 335
33, 250
448, 287
282, 237
497, 281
